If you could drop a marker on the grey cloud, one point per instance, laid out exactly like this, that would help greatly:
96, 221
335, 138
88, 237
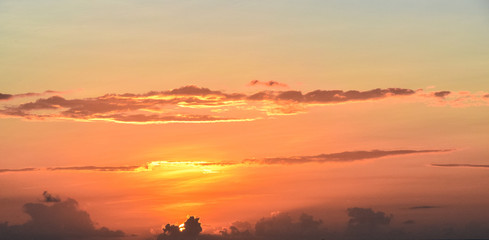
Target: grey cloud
441, 94
5, 96
60, 221
18, 170
456, 165
267, 83
50, 198
96, 168
321, 158
191, 230
338, 157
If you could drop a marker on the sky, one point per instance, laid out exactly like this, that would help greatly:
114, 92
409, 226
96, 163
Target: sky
123, 116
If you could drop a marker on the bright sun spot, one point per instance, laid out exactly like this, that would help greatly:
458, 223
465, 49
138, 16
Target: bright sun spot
181, 227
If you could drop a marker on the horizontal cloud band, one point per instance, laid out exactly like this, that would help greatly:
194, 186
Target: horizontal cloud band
321, 158
191, 104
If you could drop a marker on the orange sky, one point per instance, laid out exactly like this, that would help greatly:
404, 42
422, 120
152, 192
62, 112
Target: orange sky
148, 112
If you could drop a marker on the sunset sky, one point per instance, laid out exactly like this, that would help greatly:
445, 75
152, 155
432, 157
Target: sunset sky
146, 112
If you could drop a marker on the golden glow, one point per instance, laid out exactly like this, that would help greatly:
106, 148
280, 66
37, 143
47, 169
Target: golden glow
181, 227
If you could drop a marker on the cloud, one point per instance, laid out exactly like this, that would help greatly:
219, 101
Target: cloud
365, 223
281, 226
186, 231
268, 84
96, 168
192, 104
423, 207
7, 97
18, 170
456, 165
60, 221
441, 94
50, 198
339, 157
321, 158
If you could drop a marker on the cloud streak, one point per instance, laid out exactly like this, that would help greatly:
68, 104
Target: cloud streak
456, 165
8, 97
341, 157
18, 170
192, 104
268, 84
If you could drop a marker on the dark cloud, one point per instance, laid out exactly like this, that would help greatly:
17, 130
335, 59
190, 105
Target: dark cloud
334, 96
193, 104
96, 168
267, 83
189, 231
441, 94
50, 198
423, 207
321, 158
5, 96
281, 226
365, 223
18, 170
338, 157
60, 221
456, 165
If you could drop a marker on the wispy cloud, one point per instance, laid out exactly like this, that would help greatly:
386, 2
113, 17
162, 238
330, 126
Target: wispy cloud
7, 97
18, 170
268, 84
456, 165
321, 158
339, 157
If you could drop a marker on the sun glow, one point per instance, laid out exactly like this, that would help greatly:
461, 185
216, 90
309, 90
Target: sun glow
181, 227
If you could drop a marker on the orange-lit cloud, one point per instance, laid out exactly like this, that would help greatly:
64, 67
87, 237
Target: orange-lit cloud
321, 158
191, 104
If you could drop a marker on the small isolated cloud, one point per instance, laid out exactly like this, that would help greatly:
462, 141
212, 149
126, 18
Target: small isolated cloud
268, 84
50, 198
456, 165
60, 221
441, 94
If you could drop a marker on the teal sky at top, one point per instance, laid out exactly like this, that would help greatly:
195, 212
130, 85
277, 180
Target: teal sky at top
137, 46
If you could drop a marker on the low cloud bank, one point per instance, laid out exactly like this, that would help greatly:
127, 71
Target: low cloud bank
56, 220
